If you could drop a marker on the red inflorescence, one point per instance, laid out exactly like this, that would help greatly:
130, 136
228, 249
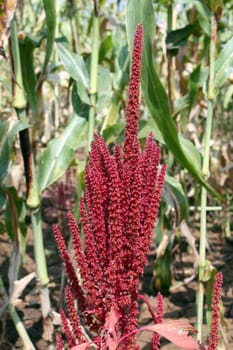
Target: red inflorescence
215, 317
118, 215
155, 343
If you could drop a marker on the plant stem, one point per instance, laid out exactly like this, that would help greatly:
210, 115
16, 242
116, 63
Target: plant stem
170, 60
33, 196
205, 171
19, 100
93, 75
27, 344
41, 269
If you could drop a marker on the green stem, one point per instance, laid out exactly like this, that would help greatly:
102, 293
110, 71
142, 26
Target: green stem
33, 196
228, 218
205, 171
93, 77
27, 344
19, 100
22, 332
41, 268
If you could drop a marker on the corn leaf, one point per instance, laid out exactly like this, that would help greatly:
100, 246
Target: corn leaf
60, 152
223, 65
75, 66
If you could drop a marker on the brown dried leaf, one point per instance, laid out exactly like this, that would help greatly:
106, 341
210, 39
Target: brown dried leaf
19, 286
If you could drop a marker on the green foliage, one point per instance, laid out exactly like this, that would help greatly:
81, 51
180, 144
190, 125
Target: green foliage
50, 14
8, 133
76, 67
60, 152
223, 65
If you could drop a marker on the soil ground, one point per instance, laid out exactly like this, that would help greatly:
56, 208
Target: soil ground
180, 303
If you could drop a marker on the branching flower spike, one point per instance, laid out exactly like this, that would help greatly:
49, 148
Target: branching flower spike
117, 215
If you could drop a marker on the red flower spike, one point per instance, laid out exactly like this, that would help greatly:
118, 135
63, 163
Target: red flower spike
79, 255
98, 215
73, 317
133, 99
67, 330
70, 272
155, 343
215, 317
90, 246
59, 342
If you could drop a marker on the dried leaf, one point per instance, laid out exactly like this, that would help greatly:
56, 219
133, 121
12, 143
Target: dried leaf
19, 286
185, 231
7, 11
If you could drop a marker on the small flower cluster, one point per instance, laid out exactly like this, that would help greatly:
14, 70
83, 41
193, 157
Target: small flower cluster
118, 214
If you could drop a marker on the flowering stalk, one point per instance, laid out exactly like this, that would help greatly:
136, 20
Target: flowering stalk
215, 317
122, 194
155, 344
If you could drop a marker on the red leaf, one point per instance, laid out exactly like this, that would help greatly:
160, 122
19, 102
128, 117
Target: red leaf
109, 337
83, 346
177, 332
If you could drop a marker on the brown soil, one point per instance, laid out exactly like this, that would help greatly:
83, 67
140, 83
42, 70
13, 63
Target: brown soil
180, 303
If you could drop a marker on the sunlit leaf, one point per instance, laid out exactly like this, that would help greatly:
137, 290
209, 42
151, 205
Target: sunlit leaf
60, 152
223, 65
75, 66
176, 331
50, 14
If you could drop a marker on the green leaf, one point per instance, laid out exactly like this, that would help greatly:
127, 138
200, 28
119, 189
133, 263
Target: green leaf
193, 85
223, 65
8, 132
80, 108
111, 133
141, 11
177, 38
203, 14
191, 152
105, 46
174, 197
104, 89
27, 46
60, 152
2, 228
76, 67
50, 14
150, 126
2, 196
